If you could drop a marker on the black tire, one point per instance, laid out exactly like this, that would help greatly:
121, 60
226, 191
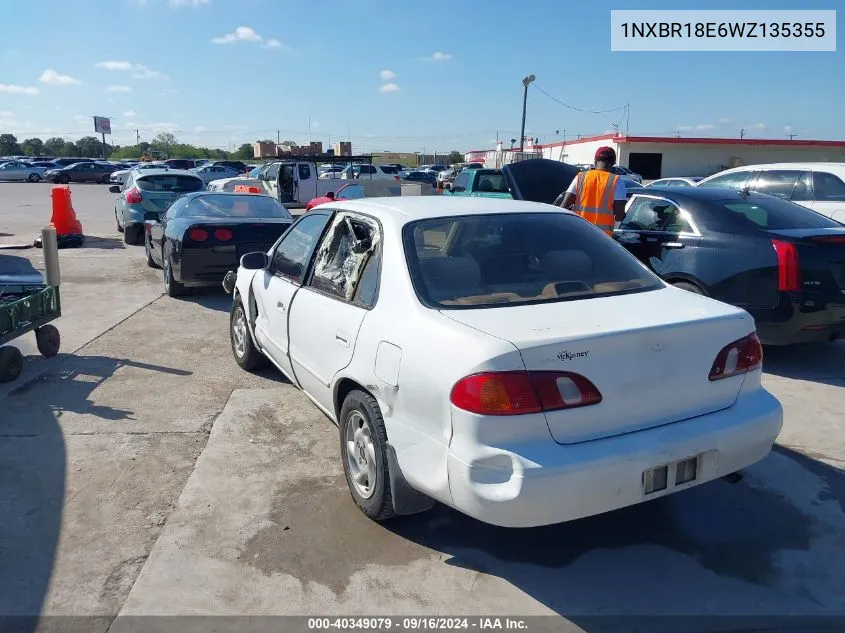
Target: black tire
150, 261
106, 179
172, 288
11, 363
683, 285
48, 339
379, 505
133, 234
117, 222
63, 180
248, 358
34, 178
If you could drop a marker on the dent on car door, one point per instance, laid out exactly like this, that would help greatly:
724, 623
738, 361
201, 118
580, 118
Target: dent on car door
327, 313
276, 286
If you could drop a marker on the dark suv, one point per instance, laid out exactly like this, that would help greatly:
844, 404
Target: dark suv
233, 164
181, 163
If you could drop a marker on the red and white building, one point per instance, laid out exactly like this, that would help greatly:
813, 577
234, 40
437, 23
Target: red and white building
661, 157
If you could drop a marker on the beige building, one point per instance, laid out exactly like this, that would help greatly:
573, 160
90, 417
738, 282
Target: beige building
264, 149
343, 148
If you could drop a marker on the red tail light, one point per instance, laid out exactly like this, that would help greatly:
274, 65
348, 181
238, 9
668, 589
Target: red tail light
133, 196
738, 357
789, 278
224, 235
518, 392
830, 239
198, 235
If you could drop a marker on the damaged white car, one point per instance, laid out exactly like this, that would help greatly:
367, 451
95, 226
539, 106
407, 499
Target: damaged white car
502, 357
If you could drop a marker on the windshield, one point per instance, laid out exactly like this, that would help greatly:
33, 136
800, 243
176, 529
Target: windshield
228, 205
168, 182
517, 258
256, 172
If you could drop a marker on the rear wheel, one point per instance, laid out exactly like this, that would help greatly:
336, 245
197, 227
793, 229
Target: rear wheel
133, 234
63, 180
105, 179
363, 451
246, 354
683, 285
11, 363
48, 339
34, 178
171, 287
150, 261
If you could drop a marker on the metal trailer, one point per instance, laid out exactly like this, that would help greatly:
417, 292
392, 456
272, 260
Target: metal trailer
31, 308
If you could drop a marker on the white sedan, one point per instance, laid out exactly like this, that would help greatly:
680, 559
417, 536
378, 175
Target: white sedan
504, 358
120, 176
17, 170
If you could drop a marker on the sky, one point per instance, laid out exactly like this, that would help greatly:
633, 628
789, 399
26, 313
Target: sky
390, 76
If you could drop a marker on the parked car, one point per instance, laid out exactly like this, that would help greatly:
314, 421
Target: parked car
434, 168
521, 334
675, 182
181, 163
420, 176
65, 162
81, 172
149, 190
782, 262
121, 175
203, 235
330, 171
209, 173
626, 173
372, 172
17, 170
489, 183
237, 165
366, 189
817, 186
44, 164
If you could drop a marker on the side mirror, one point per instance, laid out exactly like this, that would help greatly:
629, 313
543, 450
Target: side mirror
255, 261
151, 216
114, 189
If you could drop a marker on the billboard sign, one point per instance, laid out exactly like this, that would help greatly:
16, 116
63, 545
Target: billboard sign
102, 125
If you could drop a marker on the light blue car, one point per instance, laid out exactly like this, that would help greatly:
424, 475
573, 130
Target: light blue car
149, 191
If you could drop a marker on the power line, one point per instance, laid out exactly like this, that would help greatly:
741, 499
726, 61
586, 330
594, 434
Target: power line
572, 107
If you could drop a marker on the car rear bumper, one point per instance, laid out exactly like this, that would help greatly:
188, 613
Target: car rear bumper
801, 323
580, 480
209, 265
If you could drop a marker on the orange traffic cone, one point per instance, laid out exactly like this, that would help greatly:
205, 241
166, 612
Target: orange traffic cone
68, 226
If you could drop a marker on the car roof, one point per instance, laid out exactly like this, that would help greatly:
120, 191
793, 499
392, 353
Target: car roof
703, 194
143, 173
205, 192
411, 208
811, 166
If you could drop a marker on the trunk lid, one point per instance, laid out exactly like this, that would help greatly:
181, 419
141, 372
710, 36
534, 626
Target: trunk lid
247, 236
821, 262
649, 354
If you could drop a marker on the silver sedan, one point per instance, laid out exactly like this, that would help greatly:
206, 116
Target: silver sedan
16, 170
120, 176
215, 172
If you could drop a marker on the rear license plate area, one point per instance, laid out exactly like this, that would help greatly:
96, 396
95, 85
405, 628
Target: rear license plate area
243, 249
666, 476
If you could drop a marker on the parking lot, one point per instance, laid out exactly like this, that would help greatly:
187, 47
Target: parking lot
145, 473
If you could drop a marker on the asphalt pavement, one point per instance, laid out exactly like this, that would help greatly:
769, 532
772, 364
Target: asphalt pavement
142, 472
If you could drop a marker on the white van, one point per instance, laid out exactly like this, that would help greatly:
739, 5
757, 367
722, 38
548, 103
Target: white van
817, 186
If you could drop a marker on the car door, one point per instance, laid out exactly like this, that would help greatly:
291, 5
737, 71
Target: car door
327, 312
776, 182
271, 179
9, 171
735, 180
828, 195
157, 228
658, 233
274, 287
306, 183
82, 172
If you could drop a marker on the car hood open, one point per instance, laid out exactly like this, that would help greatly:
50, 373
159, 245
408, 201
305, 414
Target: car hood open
539, 179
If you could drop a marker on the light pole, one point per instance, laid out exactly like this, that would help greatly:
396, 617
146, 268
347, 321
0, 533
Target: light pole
525, 81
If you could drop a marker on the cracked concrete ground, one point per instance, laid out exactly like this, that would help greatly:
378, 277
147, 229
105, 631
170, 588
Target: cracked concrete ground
115, 498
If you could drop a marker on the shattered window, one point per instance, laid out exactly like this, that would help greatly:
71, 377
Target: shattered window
342, 260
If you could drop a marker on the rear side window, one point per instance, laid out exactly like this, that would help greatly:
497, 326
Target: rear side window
491, 182
236, 206
779, 182
167, 182
654, 214
774, 214
304, 171
735, 180
350, 192
461, 182
343, 256
828, 187
484, 261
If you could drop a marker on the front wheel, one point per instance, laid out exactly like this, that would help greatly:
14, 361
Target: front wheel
133, 234
363, 450
63, 180
683, 285
149, 251
34, 178
246, 354
11, 363
106, 179
48, 339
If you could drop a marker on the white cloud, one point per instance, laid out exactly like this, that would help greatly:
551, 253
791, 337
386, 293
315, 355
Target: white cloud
273, 43
724, 120
387, 75
156, 127
438, 57
315, 125
7, 114
119, 89
389, 88
114, 65
199, 128
240, 34
701, 127
788, 129
186, 3
684, 128
129, 114
757, 126
18, 90
82, 118
147, 73
50, 76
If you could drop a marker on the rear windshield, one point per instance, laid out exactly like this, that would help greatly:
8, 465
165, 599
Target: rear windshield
491, 181
238, 206
172, 183
517, 258
772, 213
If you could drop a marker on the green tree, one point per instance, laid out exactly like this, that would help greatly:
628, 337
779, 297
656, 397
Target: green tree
33, 146
70, 149
245, 152
55, 146
9, 145
165, 141
455, 157
89, 147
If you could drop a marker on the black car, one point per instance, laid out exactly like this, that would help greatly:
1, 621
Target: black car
64, 162
181, 163
204, 234
81, 172
422, 176
783, 263
232, 164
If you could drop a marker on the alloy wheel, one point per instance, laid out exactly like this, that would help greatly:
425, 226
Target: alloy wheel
361, 454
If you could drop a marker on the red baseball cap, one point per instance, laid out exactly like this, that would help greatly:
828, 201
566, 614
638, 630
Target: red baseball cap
606, 153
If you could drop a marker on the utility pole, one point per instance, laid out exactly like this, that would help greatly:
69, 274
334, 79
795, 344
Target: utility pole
137, 137
792, 136
525, 82
742, 133
627, 118
278, 137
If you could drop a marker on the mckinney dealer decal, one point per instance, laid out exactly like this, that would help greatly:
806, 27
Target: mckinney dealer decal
564, 355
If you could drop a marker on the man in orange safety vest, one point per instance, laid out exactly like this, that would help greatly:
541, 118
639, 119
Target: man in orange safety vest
598, 195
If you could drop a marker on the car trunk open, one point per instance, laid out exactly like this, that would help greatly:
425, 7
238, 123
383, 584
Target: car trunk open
649, 354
